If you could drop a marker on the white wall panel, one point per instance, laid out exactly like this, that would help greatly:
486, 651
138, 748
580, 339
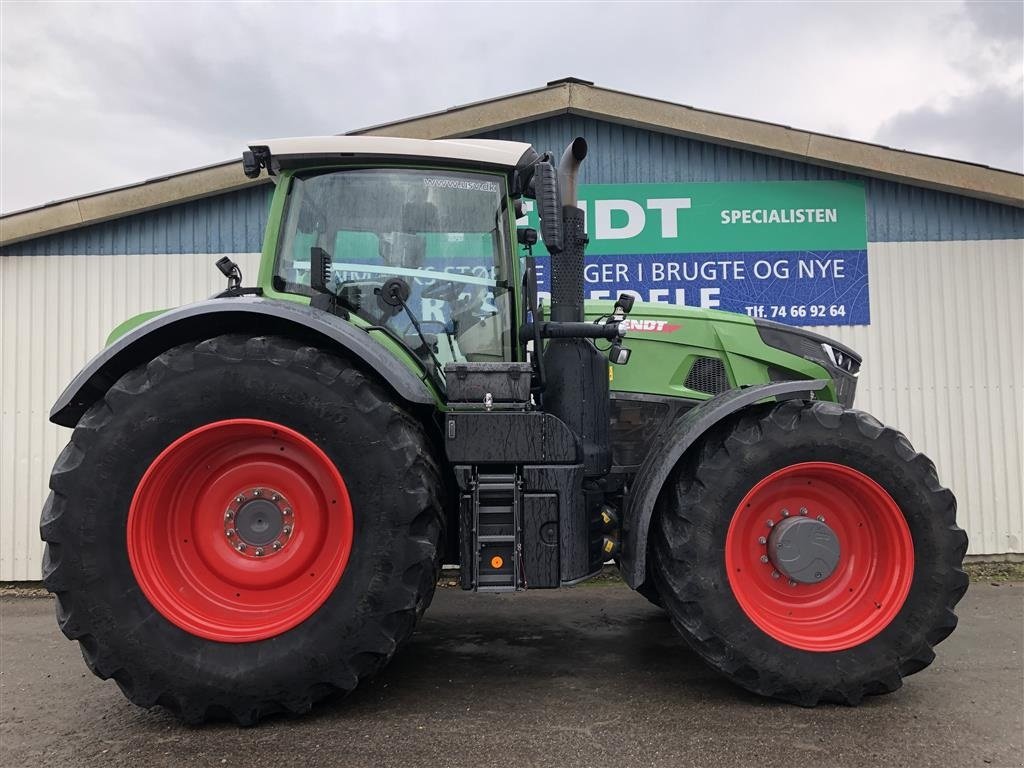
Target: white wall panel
55, 314
943, 362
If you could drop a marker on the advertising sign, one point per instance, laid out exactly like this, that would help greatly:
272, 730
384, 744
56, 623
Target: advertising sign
791, 251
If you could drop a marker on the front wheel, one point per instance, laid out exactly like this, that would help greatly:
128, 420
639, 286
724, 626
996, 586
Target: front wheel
243, 526
809, 553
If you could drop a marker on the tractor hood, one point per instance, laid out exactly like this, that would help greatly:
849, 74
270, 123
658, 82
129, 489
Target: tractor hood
667, 342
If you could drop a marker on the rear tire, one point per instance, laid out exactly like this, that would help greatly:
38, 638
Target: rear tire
740, 617
203, 662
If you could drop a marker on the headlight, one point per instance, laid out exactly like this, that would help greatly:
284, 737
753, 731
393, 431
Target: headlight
808, 345
841, 359
842, 363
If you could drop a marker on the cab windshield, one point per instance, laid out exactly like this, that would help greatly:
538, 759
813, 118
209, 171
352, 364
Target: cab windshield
442, 233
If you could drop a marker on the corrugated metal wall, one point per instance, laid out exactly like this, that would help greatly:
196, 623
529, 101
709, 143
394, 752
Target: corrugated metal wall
943, 353
55, 315
943, 361
228, 223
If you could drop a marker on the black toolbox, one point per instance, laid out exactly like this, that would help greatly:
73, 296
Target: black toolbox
506, 383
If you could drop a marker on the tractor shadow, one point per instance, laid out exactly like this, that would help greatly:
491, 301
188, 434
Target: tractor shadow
524, 650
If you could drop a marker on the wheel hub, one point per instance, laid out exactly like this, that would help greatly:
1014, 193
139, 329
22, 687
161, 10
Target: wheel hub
212, 536
811, 518
804, 549
258, 522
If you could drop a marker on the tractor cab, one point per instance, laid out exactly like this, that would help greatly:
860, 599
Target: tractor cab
413, 238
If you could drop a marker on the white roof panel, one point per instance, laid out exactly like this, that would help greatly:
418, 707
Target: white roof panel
485, 151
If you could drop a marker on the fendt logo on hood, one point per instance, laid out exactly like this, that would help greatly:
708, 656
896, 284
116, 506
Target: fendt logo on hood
651, 326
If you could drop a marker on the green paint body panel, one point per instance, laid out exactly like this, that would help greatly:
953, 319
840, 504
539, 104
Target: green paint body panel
665, 340
131, 324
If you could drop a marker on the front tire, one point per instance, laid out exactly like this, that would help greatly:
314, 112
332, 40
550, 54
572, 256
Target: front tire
820, 634
243, 526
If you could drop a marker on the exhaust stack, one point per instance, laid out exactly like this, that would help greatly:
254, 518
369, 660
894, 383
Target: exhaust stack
568, 169
567, 266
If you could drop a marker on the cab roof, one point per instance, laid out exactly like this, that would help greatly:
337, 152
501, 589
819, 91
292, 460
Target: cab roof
303, 150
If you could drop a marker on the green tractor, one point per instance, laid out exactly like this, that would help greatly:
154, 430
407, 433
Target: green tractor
261, 488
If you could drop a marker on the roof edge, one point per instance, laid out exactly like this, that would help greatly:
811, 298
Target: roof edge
60, 216
567, 96
902, 166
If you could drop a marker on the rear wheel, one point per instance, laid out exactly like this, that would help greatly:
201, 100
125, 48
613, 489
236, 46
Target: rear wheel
243, 526
809, 553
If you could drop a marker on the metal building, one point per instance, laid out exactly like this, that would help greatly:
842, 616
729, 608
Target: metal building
944, 279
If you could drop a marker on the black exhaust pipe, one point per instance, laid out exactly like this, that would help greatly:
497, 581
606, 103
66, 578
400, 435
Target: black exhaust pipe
577, 379
577, 374
567, 267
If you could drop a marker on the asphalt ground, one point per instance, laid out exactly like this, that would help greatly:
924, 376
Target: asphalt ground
591, 676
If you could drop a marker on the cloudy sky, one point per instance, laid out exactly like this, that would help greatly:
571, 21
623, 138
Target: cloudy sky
95, 96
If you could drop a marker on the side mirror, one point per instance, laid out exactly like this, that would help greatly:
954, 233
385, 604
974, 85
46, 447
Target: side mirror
549, 206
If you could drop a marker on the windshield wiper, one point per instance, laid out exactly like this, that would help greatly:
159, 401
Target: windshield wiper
394, 293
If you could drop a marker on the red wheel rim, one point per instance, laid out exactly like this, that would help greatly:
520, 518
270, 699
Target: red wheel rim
288, 501
869, 585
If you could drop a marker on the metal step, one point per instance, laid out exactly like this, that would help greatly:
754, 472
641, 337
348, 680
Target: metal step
496, 532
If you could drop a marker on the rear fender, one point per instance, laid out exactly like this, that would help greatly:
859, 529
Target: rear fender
682, 435
206, 319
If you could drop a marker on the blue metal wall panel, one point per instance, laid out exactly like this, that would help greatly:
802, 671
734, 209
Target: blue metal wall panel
229, 223
234, 222
896, 212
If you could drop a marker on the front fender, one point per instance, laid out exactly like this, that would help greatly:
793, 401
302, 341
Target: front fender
213, 317
684, 433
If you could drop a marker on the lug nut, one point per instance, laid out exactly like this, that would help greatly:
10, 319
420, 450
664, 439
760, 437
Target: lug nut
286, 530
770, 523
803, 510
286, 511
257, 492
785, 513
229, 532
764, 558
259, 551
277, 545
275, 497
792, 583
762, 540
775, 574
240, 547
239, 499
228, 515
821, 518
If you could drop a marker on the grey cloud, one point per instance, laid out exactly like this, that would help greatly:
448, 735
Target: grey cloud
1001, 20
987, 127
95, 96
